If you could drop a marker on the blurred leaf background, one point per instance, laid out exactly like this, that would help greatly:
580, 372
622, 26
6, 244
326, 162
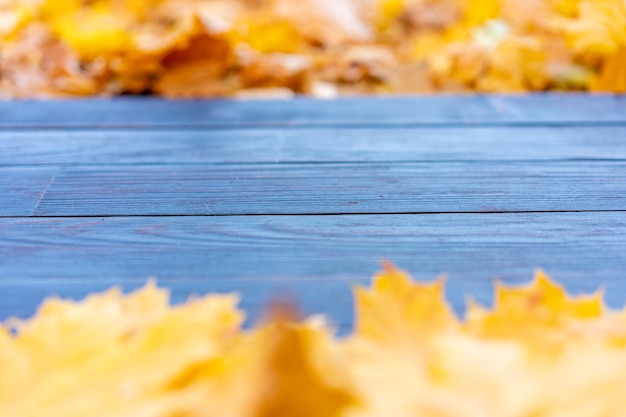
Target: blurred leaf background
323, 48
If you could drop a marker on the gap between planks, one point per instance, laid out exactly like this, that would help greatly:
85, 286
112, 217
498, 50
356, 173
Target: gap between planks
312, 214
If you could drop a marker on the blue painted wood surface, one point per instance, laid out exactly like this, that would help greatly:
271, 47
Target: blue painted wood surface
366, 188
316, 145
572, 109
307, 197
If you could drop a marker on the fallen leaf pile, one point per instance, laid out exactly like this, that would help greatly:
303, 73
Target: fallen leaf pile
537, 353
323, 48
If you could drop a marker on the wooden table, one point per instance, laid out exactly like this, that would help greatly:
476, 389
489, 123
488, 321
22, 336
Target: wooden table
308, 196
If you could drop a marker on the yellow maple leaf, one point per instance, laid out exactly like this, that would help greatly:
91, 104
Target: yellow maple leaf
268, 35
282, 368
299, 378
478, 12
517, 64
397, 309
540, 313
112, 354
544, 298
94, 32
425, 45
388, 11
612, 76
598, 31
566, 8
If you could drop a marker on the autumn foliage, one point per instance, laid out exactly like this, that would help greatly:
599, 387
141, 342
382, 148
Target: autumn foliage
324, 48
538, 352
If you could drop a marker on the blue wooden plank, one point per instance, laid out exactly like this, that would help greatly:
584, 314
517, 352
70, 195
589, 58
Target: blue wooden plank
439, 110
316, 145
21, 189
151, 112
466, 245
316, 258
335, 188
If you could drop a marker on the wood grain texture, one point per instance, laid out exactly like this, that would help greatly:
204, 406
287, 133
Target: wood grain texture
470, 245
134, 147
438, 110
335, 188
21, 189
316, 258
555, 163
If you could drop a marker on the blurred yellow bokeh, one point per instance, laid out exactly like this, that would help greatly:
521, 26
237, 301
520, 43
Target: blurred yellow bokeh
536, 352
325, 48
